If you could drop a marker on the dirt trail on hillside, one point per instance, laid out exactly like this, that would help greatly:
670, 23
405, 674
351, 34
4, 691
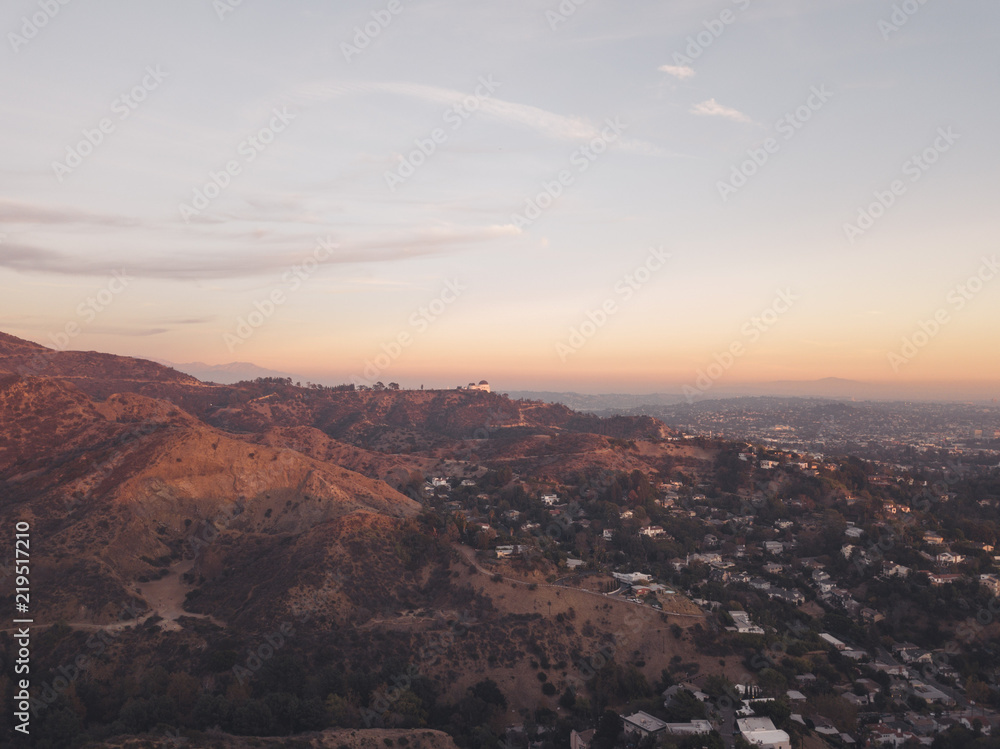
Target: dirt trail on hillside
165, 598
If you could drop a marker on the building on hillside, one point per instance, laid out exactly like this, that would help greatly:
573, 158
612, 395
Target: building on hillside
581, 739
831, 640
632, 577
690, 728
483, 385
761, 731
643, 725
943, 579
743, 624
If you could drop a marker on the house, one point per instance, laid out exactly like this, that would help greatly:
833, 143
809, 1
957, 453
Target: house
774, 547
931, 694
793, 597
824, 726
643, 724
773, 568
761, 731
608, 534
468, 482
743, 624
632, 577
769, 464
653, 531
992, 582
871, 616
854, 699
854, 532
549, 499
574, 563
883, 734
691, 728
891, 569
933, 538
943, 579
831, 640
581, 739
947, 557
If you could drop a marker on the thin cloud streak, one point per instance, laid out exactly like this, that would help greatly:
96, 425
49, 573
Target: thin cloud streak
427, 243
549, 124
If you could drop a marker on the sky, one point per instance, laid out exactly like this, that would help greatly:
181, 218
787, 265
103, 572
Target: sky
578, 195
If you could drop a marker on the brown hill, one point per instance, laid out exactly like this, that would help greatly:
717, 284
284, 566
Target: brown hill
95, 373
118, 489
386, 421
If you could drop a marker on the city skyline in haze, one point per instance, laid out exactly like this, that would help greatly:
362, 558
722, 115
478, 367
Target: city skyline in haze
551, 196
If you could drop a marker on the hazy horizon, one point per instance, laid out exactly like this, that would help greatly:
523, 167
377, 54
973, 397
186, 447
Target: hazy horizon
547, 196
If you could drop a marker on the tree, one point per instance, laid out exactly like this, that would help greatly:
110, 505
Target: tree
608, 728
394, 386
489, 692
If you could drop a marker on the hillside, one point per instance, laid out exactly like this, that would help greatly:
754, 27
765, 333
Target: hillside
181, 524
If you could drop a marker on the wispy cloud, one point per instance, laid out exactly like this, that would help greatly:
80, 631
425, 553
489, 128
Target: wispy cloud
712, 108
238, 263
15, 212
677, 71
549, 124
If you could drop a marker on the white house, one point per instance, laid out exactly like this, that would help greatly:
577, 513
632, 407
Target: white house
643, 724
761, 731
632, 577
831, 640
743, 624
689, 729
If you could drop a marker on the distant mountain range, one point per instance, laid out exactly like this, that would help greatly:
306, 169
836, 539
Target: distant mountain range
227, 374
835, 388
